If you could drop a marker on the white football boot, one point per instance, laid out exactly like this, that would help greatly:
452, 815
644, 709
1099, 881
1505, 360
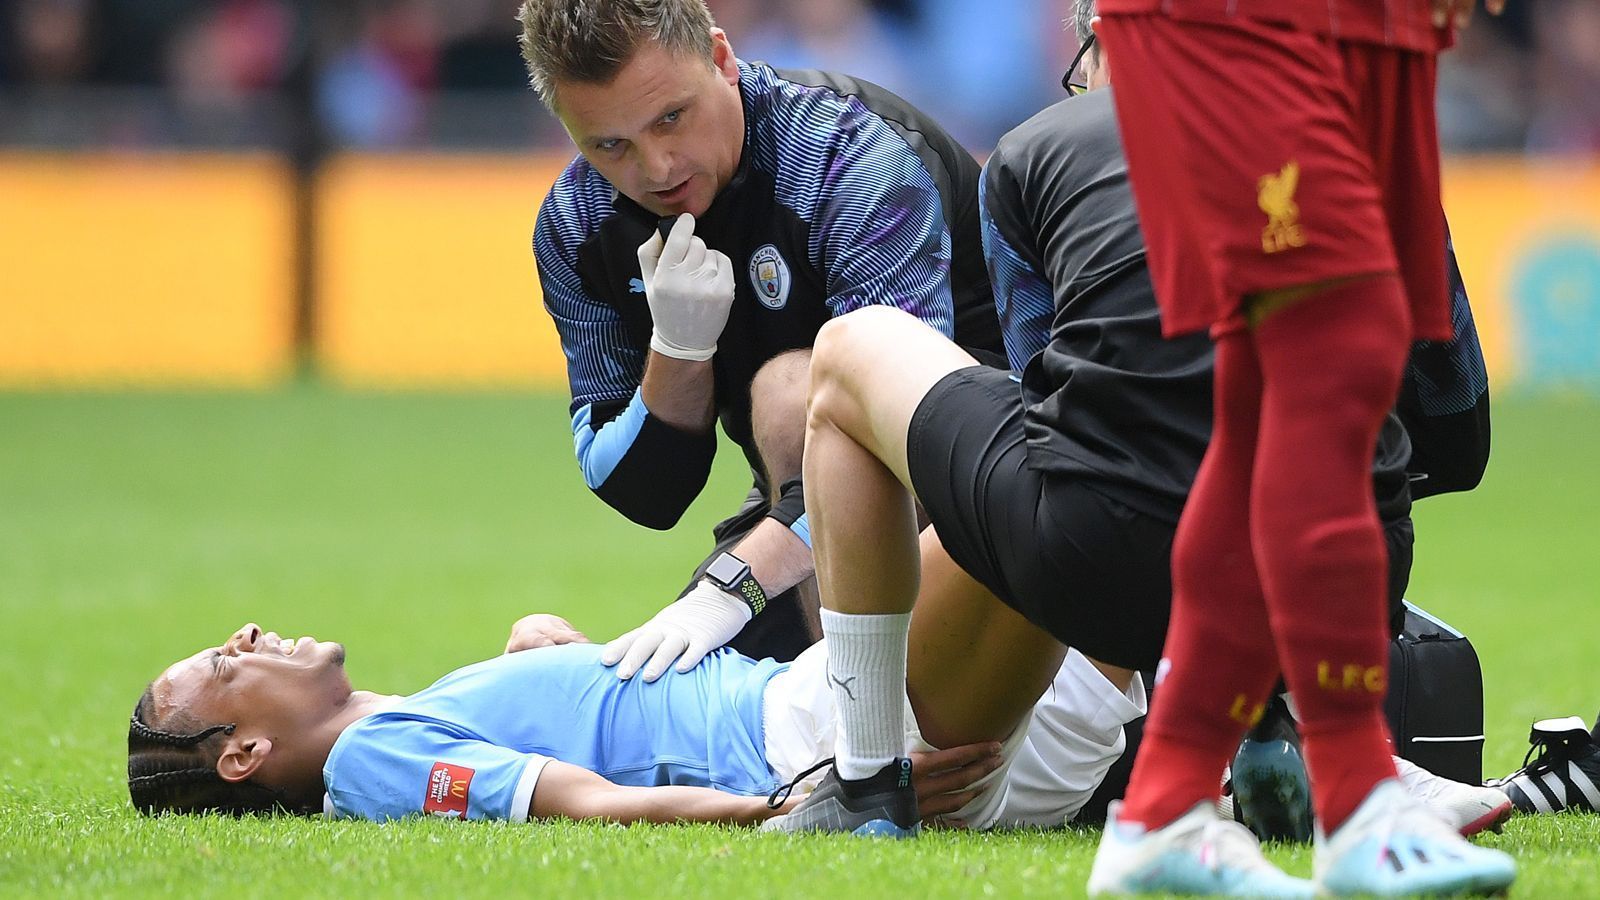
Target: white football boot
1392, 845
1467, 808
1197, 853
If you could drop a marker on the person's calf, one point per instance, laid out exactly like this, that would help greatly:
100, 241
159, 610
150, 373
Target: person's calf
778, 416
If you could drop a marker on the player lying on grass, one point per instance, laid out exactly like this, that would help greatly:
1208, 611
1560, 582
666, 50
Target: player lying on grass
259, 723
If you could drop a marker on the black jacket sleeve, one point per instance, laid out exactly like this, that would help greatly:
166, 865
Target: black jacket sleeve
660, 473
1444, 404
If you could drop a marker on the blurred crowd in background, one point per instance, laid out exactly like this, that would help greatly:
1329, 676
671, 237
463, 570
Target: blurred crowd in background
311, 76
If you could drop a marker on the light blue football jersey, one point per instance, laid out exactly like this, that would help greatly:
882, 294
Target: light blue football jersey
473, 744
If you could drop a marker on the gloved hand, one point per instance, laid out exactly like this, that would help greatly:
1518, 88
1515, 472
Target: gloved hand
689, 288
694, 625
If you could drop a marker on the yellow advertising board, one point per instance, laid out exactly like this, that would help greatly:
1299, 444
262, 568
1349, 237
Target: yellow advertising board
425, 271
178, 269
170, 269
1527, 235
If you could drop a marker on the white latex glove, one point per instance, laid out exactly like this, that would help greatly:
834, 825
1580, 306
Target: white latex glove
689, 288
694, 625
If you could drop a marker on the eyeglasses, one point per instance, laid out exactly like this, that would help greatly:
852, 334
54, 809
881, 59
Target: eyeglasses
1077, 87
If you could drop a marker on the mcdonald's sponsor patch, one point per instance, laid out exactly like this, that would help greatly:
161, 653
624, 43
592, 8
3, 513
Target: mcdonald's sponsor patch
447, 791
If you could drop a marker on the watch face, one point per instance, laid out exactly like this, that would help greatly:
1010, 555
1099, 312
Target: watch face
726, 569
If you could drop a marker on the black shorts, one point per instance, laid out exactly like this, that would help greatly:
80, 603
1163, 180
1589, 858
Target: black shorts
1083, 566
1090, 570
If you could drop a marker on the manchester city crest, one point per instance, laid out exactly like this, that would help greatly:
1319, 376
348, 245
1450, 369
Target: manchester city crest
769, 275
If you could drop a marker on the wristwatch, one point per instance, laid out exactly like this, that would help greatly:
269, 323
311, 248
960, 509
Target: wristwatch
732, 574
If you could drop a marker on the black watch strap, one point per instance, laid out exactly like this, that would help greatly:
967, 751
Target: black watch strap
732, 574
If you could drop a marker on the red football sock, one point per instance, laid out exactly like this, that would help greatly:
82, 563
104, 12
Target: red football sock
1331, 365
1218, 661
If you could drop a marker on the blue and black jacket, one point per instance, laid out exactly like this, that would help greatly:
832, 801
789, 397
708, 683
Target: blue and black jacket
845, 197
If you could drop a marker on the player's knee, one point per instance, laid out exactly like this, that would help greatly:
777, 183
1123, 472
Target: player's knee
854, 356
1208, 562
850, 344
1339, 348
779, 389
1358, 391
842, 357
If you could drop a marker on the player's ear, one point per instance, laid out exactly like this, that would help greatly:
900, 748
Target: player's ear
722, 58
1097, 65
242, 758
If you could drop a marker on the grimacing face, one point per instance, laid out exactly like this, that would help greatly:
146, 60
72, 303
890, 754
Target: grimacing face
266, 685
667, 131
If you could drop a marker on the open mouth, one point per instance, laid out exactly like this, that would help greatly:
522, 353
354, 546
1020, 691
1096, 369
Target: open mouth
673, 194
289, 646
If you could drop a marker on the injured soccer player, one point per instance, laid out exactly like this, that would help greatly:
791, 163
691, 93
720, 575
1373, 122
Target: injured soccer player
260, 723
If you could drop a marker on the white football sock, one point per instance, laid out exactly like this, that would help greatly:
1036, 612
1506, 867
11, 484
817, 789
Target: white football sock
867, 671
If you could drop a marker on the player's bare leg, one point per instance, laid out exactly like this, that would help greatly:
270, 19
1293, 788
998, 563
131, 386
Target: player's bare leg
975, 672
778, 423
869, 372
975, 667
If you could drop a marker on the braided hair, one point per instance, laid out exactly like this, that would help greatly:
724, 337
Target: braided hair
176, 772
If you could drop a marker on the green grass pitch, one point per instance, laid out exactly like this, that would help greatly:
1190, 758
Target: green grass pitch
136, 528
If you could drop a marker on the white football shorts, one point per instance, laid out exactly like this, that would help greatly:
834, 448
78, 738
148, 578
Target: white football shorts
1053, 762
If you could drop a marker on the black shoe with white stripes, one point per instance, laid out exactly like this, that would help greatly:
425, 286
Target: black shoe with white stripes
1564, 775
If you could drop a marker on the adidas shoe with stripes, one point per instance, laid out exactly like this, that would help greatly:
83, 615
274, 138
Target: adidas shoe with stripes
1564, 775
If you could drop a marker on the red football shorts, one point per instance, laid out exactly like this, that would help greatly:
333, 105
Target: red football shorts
1266, 158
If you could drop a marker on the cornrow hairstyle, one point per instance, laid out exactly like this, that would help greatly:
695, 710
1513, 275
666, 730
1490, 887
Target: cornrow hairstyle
174, 772
589, 41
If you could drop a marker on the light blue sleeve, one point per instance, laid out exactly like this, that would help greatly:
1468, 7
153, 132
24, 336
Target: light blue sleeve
405, 767
600, 450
